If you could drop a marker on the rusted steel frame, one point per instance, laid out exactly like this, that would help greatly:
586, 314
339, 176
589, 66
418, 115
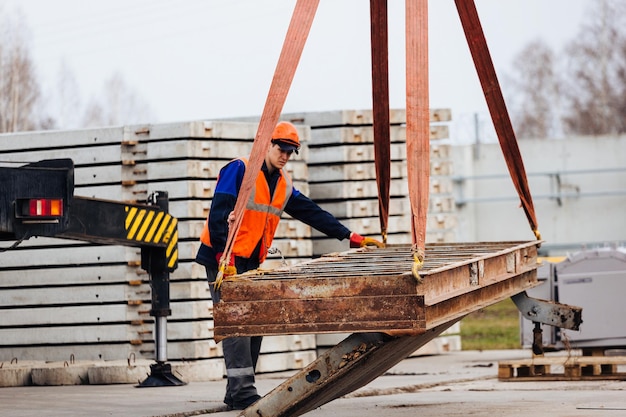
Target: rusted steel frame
404, 313
346, 367
417, 119
373, 303
324, 306
443, 283
497, 107
392, 260
481, 297
380, 106
440, 283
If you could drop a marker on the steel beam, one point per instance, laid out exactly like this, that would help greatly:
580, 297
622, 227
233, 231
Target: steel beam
548, 312
350, 365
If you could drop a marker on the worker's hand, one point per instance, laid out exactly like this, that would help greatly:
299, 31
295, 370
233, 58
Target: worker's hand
231, 219
230, 268
358, 241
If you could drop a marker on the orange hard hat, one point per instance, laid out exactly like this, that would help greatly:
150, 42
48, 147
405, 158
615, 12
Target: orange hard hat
285, 135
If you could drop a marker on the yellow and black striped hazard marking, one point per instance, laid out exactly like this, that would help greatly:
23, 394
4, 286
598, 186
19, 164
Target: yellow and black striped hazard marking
153, 227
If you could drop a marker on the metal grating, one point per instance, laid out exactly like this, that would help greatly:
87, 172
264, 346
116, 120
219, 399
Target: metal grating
393, 260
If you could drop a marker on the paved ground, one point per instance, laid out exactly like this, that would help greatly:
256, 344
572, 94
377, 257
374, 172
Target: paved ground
454, 384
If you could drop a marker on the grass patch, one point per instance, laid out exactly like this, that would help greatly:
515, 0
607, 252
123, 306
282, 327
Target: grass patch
493, 327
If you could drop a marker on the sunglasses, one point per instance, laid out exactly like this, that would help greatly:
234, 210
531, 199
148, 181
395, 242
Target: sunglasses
289, 152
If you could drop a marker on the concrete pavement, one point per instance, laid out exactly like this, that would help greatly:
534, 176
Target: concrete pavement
453, 384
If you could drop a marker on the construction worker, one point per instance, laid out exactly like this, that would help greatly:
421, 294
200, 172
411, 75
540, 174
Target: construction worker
273, 193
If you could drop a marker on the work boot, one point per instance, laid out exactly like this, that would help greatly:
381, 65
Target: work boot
242, 405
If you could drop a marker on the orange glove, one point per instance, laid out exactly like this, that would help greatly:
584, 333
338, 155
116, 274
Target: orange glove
229, 269
358, 241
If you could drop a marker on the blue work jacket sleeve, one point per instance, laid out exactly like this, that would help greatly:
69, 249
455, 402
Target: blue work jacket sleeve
307, 211
224, 199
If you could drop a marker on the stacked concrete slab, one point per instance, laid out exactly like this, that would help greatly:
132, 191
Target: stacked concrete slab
64, 299
342, 179
72, 302
342, 176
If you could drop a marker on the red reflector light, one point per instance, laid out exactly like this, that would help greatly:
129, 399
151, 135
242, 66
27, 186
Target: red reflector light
44, 207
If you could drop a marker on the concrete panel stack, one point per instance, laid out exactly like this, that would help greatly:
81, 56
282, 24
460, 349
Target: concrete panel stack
63, 299
342, 176
442, 216
342, 179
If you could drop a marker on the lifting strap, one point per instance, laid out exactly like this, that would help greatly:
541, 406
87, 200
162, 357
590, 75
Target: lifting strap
497, 108
417, 113
417, 124
380, 106
297, 33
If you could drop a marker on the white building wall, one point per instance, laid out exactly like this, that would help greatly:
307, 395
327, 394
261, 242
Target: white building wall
578, 187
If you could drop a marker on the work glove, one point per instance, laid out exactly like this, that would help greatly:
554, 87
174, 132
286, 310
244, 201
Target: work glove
358, 241
230, 268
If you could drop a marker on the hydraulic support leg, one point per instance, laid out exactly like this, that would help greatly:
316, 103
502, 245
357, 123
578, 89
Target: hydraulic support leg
154, 260
546, 312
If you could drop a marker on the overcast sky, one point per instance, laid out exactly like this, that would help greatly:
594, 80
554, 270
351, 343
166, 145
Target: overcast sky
203, 59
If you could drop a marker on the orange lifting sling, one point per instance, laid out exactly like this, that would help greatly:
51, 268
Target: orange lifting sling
497, 108
380, 109
417, 124
290, 54
417, 113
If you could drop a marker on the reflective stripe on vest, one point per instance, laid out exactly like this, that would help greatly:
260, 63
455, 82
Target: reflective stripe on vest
261, 216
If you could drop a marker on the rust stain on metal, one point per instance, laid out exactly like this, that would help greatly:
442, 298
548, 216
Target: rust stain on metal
355, 354
373, 290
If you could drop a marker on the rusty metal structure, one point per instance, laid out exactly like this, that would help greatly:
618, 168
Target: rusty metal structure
398, 298
373, 293
373, 290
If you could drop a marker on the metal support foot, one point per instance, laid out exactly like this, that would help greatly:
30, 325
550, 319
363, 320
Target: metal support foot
161, 376
537, 340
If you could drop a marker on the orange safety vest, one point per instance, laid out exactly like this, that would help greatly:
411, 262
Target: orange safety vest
260, 218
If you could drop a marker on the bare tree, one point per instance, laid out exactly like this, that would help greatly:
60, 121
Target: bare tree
534, 110
22, 105
119, 105
66, 100
582, 91
596, 77
19, 88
